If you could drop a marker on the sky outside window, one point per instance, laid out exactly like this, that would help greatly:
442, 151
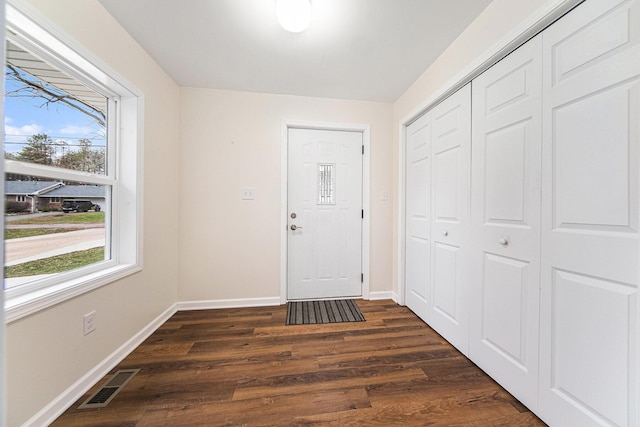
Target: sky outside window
27, 116
42, 99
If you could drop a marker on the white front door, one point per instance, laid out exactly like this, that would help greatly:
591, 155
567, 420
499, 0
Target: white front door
324, 222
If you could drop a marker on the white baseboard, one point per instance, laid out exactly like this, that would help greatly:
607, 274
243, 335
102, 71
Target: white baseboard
227, 303
56, 407
396, 298
381, 295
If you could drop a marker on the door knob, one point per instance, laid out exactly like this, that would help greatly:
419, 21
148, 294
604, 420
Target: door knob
503, 241
295, 227
445, 233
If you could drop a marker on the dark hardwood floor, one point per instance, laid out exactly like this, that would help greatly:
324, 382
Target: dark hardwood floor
244, 367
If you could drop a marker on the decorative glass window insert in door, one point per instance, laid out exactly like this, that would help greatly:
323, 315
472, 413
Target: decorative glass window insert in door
326, 184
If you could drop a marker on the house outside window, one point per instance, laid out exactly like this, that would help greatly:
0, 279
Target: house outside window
82, 172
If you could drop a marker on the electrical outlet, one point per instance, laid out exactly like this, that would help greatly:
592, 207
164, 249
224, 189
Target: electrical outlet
89, 322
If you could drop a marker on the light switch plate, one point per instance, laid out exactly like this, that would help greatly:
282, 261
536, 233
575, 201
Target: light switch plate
248, 193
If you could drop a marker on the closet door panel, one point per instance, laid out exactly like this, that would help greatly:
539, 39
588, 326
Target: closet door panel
506, 197
505, 221
418, 216
589, 293
505, 297
451, 138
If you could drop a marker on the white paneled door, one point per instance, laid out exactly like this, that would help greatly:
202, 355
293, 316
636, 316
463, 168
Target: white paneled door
324, 214
505, 220
418, 216
591, 131
437, 158
450, 188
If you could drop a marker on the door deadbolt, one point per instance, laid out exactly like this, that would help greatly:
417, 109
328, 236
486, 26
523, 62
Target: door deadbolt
293, 215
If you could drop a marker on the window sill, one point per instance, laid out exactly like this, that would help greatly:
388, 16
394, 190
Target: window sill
24, 305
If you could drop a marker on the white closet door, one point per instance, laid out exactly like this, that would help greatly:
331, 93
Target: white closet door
591, 127
451, 181
505, 221
418, 215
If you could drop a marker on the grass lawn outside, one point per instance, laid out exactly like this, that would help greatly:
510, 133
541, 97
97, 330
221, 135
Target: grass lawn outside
59, 263
56, 264
17, 233
62, 218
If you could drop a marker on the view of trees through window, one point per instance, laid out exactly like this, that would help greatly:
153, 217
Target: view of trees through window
56, 123
80, 156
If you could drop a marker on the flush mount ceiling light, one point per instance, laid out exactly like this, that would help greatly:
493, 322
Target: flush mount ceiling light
294, 15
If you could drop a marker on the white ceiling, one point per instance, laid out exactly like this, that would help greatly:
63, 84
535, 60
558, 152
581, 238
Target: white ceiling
354, 49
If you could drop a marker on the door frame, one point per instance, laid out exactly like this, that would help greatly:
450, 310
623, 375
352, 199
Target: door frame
364, 129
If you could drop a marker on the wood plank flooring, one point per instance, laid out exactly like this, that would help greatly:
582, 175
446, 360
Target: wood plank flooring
244, 367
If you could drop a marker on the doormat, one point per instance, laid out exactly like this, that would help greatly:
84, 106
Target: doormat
316, 312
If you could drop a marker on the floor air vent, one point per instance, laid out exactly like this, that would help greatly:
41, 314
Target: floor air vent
102, 397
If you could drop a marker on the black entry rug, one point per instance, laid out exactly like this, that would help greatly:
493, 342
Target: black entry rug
315, 312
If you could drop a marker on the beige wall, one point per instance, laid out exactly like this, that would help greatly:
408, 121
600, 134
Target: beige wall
494, 26
47, 352
230, 248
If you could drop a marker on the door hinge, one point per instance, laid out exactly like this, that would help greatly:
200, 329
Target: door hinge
361, 277
363, 150
362, 213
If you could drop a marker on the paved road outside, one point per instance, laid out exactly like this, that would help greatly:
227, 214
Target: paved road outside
77, 226
18, 251
25, 249
11, 218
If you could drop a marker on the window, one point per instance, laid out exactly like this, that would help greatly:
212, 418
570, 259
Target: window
326, 184
71, 149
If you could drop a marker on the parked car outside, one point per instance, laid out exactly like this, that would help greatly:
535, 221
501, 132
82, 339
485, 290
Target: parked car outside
79, 206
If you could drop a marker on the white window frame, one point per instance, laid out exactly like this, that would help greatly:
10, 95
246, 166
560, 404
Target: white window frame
123, 221
21, 198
